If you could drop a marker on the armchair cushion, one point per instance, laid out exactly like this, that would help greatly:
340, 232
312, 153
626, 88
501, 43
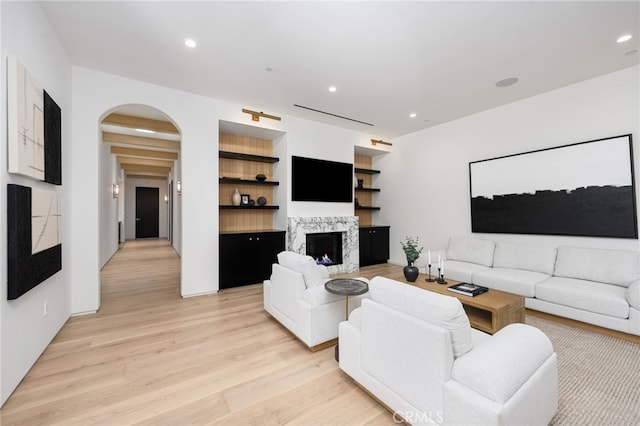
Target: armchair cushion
317, 296
437, 309
471, 250
498, 367
305, 265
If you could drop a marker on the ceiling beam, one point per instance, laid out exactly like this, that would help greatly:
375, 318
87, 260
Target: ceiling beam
111, 137
145, 176
145, 162
133, 122
147, 153
143, 168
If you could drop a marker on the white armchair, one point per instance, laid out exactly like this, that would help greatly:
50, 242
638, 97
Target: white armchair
415, 351
295, 296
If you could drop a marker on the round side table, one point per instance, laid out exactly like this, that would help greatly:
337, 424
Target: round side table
345, 287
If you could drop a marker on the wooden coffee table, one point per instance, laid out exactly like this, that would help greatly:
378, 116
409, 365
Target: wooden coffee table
488, 312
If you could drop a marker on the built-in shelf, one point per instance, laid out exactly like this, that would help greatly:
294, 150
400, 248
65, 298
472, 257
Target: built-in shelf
225, 207
247, 157
367, 208
366, 171
367, 189
247, 181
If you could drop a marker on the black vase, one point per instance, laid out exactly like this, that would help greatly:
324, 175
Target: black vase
411, 272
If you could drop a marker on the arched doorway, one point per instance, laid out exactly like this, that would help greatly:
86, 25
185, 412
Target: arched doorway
139, 153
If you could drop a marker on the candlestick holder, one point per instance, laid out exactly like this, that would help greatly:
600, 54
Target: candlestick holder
441, 279
429, 280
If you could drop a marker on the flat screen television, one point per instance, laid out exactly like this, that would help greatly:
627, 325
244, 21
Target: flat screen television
321, 180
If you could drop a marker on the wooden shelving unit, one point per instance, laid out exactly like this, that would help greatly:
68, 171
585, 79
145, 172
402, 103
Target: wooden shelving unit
241, 158
364, 170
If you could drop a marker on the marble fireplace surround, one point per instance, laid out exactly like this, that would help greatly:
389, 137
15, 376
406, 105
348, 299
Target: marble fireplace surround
299, 227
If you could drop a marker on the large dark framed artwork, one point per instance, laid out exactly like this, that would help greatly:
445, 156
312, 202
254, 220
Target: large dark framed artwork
34, 250
581, 189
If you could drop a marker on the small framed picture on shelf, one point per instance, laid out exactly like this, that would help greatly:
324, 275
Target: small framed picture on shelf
244, 199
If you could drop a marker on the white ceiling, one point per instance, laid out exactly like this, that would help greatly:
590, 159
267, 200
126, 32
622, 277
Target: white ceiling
440, 60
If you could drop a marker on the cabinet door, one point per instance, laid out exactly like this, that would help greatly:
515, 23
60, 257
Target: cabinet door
236, 254
379, 245
365, 247
267, 247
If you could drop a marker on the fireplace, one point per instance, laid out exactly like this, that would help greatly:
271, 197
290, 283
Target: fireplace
347, 226
325, 247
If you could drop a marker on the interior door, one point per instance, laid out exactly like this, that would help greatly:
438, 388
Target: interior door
147, 212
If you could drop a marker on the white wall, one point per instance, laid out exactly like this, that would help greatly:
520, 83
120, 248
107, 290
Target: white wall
425, 182
130, 205
25, 331
108, 211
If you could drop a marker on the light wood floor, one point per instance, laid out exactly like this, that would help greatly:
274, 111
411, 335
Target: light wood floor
150, 357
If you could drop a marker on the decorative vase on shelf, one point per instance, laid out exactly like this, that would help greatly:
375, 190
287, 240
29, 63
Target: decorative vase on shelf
411, 272
235, 199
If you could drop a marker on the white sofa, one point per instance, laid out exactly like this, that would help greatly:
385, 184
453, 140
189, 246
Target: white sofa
415, 351
296, 297
596, 286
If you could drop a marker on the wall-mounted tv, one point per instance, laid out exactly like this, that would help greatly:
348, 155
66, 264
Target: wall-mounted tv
321, 180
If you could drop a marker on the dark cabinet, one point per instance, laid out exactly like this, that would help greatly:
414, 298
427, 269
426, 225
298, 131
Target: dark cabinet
374, 245
246, 257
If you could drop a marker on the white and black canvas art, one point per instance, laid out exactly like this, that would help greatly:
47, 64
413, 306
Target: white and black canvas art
582, 189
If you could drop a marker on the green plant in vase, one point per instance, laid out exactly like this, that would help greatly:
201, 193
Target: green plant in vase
412, 253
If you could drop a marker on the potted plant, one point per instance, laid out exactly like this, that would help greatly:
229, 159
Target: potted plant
412, 253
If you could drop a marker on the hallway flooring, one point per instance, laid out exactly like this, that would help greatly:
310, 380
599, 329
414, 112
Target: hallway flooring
151, 357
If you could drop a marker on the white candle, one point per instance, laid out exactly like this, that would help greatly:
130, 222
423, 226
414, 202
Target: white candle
443, 268
429, 256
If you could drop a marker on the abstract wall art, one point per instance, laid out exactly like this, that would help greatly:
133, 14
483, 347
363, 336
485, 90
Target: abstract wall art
581, 189
33, 127
34, 248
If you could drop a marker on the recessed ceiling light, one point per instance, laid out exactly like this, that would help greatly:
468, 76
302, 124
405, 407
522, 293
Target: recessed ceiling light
268, 69
631, 52
624, 38
332, 89
507, 82
144, 131
190, 43
413, 115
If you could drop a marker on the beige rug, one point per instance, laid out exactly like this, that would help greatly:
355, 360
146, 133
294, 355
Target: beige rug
599, 376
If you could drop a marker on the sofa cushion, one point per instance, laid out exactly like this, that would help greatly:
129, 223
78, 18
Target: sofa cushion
589, 296
530, 258
437, 309
618, 267
303, 264
633, 295
510, 280
471, 250
461, 271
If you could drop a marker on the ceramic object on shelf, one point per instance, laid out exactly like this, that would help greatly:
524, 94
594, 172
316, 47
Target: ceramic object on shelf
261, 177
262, 201
235, 198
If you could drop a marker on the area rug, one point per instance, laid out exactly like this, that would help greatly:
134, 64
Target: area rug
599, 376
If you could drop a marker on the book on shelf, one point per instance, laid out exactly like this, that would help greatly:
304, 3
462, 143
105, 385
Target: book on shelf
468, 289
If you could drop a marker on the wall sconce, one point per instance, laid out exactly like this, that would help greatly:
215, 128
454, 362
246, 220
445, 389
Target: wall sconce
374, 142
166, 199
179, 187
116, 190
255, 115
